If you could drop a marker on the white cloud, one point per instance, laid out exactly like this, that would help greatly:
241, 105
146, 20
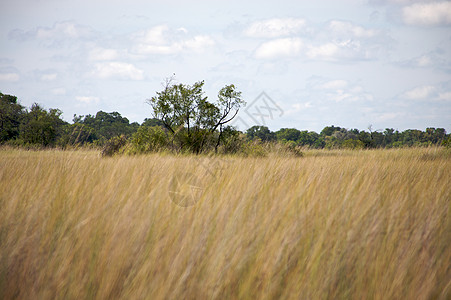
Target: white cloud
59, 31
157, 49
336, 41
273, 28
199, 43
438, 13
182, 29
343, 50
102, 54
11, 77
87, 99
421, 92
154, 36
298, 107
327, 51
279, 48
343, 40
117, 70
351, 30
435, 59
67, 29
164, 40
350, 95
340, 90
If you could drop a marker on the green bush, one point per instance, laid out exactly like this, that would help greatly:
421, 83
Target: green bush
253, 148
113, 145
148, 139
353, 144
447, 142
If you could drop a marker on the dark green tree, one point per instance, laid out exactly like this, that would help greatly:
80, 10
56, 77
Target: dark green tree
329, 130
42, 127
107, 125
11, 115
261, 132
288, 134
151, 122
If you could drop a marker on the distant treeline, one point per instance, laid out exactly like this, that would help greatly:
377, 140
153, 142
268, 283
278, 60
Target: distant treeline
38, 127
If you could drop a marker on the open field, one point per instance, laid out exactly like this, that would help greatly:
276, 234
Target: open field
330, 225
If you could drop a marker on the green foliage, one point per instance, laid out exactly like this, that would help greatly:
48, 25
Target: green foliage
447, 142
352, 144
149, 122
76, 135
11, 114
148, 139
107, 125
232, 140
185, 121
329, 130
290, 148
190, 119
260, 132
253, 148
288, 134
41, 126
113, 145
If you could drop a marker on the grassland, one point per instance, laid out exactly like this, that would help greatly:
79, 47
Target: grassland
329, 225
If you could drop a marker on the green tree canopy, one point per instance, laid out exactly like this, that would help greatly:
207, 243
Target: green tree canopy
41, 126
107, 125
190, 118
261, 132
11, 115
288, 134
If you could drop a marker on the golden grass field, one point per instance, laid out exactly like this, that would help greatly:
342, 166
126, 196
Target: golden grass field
369, 224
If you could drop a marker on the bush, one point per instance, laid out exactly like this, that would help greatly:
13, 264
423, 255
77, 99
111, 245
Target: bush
232, 141
292, 148
113, 145
147, 139
253, 148
353, 144
447, 142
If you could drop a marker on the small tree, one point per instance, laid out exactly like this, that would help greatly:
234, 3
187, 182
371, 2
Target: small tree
193, 121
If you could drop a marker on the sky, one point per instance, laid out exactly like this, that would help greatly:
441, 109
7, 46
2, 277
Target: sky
298, 64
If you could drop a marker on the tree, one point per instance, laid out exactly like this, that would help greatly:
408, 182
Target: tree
42, 127
77, 134
107, 125
261, 132
329, 130
11, 115
193, 121
152, 122
288, 134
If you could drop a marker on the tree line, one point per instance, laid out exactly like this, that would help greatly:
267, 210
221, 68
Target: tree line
332, 137
184, 120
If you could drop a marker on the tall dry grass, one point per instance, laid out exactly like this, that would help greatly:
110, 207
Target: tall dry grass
329, 225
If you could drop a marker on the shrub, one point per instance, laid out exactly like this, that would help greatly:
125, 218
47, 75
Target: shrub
113, 145
148, 139
253, 148
447, 142
353, 144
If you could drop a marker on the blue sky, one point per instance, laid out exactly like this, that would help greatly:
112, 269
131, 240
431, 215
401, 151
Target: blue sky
385, 63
